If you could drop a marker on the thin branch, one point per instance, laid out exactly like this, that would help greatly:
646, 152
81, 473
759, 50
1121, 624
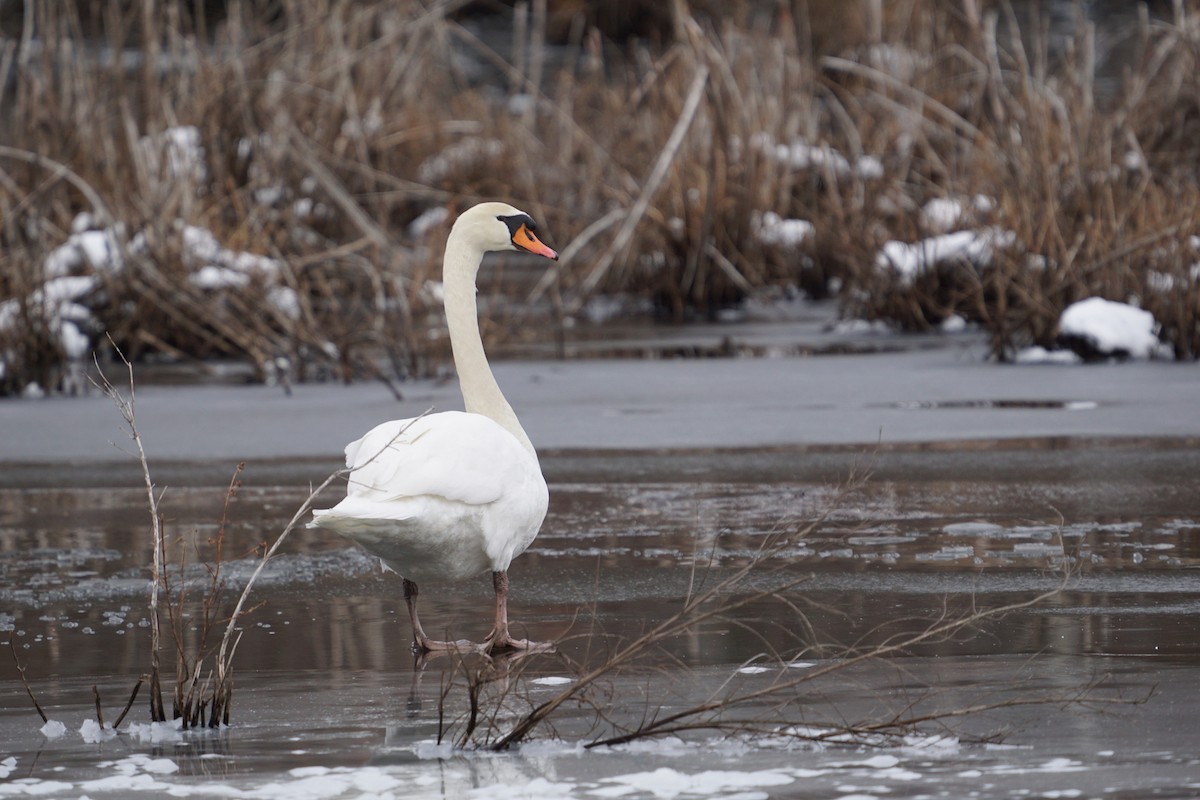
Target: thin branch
624, 234
12, 645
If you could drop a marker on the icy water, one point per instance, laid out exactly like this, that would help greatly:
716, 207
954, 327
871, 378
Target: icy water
330, 703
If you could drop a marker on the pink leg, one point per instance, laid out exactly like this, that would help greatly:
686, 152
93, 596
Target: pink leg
499, 638
421, 642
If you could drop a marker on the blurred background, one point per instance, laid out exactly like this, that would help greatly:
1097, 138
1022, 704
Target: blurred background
261, 188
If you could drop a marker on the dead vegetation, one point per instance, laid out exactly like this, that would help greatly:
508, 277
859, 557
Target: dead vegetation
204, 614
487, 704
271, 186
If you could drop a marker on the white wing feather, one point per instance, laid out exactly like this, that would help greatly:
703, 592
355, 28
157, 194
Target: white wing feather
447, 496
453, 455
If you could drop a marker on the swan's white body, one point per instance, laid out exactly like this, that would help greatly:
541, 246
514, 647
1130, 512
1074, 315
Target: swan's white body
446, 496
450, 495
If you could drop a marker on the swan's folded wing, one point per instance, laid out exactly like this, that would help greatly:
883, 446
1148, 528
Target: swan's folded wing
454, 455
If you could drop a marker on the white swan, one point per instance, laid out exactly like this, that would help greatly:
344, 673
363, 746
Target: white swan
453, 494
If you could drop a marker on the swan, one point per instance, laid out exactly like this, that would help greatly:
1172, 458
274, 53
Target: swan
457, 493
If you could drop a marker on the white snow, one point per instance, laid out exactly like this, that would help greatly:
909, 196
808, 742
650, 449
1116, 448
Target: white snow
9, 764
214, 278
975, 246
74, 342
803, 156
953, 324
92, 733
775, 230
552, 680
665, 782
427, 221
53, 729
285, 300
536, 789
200, 249
465, 153
754, 670
1036, 354
942, 214
176, 153
155, 732
1111, 328
97, 249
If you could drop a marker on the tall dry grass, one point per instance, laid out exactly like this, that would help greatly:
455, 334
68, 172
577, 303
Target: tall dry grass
325, 129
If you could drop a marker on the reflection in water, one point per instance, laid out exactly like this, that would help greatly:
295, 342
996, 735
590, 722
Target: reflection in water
324, 676
73, 570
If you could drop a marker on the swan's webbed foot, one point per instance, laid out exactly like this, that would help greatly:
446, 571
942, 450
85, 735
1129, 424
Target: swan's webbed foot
504, 643
423, 645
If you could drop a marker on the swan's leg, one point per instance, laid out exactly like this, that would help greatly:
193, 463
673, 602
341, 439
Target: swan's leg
499, 638
421, 642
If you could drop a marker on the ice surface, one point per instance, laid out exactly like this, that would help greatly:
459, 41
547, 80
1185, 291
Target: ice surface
665, 782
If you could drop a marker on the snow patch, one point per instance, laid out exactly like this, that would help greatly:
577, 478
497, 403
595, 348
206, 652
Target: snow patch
155, 732
1036, 354
53, 729
552, 680
427, 221
92, 733
536, 789
9, 764
665, 782
1110, 328
775, 230
176, 151
801, 155
466, 153
942, 214
909, 261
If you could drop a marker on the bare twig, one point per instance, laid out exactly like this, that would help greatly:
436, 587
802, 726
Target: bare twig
126, 406
129, 704
624, 234
12, 645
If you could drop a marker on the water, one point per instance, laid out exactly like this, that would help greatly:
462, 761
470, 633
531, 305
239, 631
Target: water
329, 702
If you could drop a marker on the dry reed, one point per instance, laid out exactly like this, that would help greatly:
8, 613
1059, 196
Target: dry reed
293, 151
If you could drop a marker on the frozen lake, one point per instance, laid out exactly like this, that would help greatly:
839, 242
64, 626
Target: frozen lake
986, 479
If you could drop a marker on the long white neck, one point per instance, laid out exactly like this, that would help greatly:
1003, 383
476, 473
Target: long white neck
481, 394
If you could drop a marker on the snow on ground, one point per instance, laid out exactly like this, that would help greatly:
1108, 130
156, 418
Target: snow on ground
1036, 354
1110, 328
911, 260
801, 155
943, 214
775, 230
647, 770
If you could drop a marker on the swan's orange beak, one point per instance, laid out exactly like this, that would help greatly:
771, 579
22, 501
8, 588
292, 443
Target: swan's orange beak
524, 239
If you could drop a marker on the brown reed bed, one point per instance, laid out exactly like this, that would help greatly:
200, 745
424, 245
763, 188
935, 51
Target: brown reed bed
292, 147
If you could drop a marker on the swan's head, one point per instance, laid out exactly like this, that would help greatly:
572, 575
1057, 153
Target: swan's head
499, 226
